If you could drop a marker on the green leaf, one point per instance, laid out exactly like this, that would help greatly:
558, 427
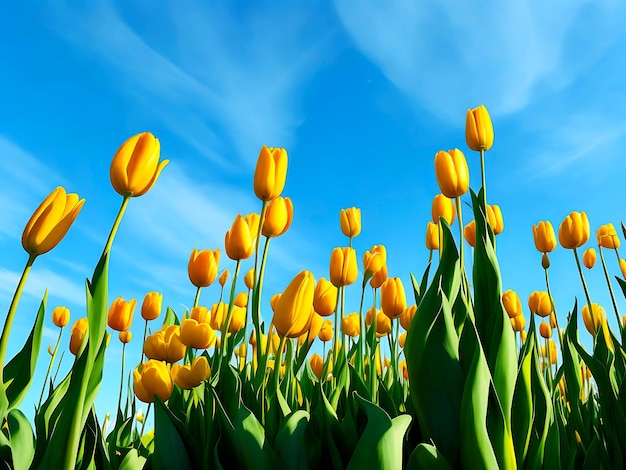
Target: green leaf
427, 456
290, 441
22, 440
169, 448
132, 461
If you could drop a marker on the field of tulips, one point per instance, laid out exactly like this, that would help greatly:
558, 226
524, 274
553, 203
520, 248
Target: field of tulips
449, 374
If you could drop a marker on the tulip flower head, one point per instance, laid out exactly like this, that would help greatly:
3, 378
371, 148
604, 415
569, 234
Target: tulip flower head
452, 173
197, 335
469, 232
165, 345
379, 277
373, 261
317, 365
51, 221
518, 323
61, 316
539, 303
79, 329
125, 336
432, 236
151, 307
239, 240
270, 173
121, 314
249, 279
607, 237
407, 316
203, 266
544, 330
589, 258
135, 166
543, 234
326, 331
443, 207
595, 319
325, 297
343, 266
152, 378
293, 312
478, 129
392, 297
350, 325
574, 230
188, 377
223, 277
278, 217
512, 303
494, 217
350, 220
383, 322
200, 314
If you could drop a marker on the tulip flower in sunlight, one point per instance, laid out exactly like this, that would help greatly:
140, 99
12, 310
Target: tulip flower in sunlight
379, 277
278, 217
61, 316
343, 266
452, 173
200, 314
392, 297
512, 303
383, 322
203, 266
373, 261
326, 331
152, 378
165, 345
121, 314
79, 329
518, 323
607, 237
443, 207
494, 216
589, 258
350, 325
197, 335
51, 221
293, 311
407, 316
126, 336
135, 166
539, 303
478, 129
543, 234
432, 236
317, 365
350, 221
544, 330
188, 377
469, 232
223, 277
239, 240
151, 307
325, 297
248, 279
270, 173
574, 230
594, 320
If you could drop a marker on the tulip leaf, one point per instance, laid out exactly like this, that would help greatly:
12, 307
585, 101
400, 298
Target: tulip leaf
22, 440
290, 441
427, 456
132, 461
169, 448
18, 373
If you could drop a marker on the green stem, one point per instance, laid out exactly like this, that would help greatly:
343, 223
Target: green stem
359, 365
277, 362
608, 283
116, 224
459, 214
556, 318
343, 306
119, 400
143, 425
197, 299
145, 334
226, 324
484, 182
54, 354
54, 379
256, 309
582, 277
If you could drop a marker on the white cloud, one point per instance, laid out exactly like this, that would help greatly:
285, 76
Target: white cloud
39, 280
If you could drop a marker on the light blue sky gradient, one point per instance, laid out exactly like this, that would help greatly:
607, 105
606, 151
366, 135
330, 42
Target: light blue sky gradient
361, 94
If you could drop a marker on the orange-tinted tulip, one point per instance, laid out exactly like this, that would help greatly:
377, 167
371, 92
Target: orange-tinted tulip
239, 240
135, 166
622, 267
325, 297
196, 335
379, 277
150, 379
249, 279
238, 319
607, 237
432, 236
544, 330
383, 323
241, 299
452, 173
218, 315
165, 345
51, 221
443, 207
61, 316
270, 173
326, 331
278, 217
543, 234
350, 325
200, 314
574, 230
494, 216
512, 303
469, 232
373, 261
539, 303
522, 335
121, 314
350, 220
402, 339
478, 129
317, 365
407, 316
151, 307
188, 377
223, 277
518, 323
589, 258
79, 329
392, 297
126, 336
203, 266
343, 266
293, 312
593, 322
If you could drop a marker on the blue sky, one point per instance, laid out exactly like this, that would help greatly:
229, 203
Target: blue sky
362, 97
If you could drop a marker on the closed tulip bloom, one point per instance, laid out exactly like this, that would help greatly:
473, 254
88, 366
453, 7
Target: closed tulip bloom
593, 322
249, 279
150, 379
478, 129
383, 322
188, 377
443, 207
241, 299
407, 316
522, 336
544, 330
512, 303
223, 277
452, 173
624, 321
165, 345
239, 240
238, 319
293, 312
543, 234
392, 297
350, 220
373, 261
469, 232
61, 316
574, 230
151, 307
51, 221
79, 329
218, 315
278, 217
315, 326
325, 297
121, 314
402, 339
607, 237
343, 266
135, 166
326, 331
350, 325
379, 277
196, 335
622, 267
589, 258
274, 301
518, 323
494, 216
432, 236
126, 336
270, 173
203, 267
200, 314
539, 303
552, 320
317, 365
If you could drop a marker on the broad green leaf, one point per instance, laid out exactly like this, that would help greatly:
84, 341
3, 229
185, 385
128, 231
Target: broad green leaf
169, 448
22, 440
427, 456
290, 441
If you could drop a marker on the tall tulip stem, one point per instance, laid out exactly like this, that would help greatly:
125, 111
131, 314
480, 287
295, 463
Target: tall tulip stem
484, 181
116, 224
556, 319
608, 283
196, 300
119, 400
229, 315
582, 278
54, 354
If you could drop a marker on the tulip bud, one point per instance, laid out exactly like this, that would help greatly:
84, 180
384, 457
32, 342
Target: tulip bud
238, 319
200, 314
443, 207
51, 221
241, 299
407, 316
373, 261
522, 336
494, 217
589, 258
379, 277
223, 277
270, 173
121, 314
574, 230
135, 166
325, 297
239, 240
452, 173
249, 279
61, 316
196, 335
469, 232
543, 234
351, 325
165, 345
512, 303
518, 323
478, 129
151, 307
539, 303
326, 331
126, 336
402, 339
343, 266
293, 312
150, 379
203, 267
545, 261
552, 320
278, 217
383, 323
622, 267
594, 320
317, 365
544, 330
79, 329
607, 237
432, 236
392, 297
350, 220
50, 350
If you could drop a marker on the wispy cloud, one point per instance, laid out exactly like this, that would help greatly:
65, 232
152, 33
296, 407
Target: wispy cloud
63, 288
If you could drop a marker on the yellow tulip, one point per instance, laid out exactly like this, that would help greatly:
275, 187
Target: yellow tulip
196, 335
469, 232
79, 329
241, 299
373, 261
392, 297
126, 336
135, 166
478, 129
543, 234
203, 266
494, 216
443, 207
593, 322
218, 315
165, 345
350, 220
622, 267
589, 258
270, 173
512, 303
402, 339
200, 314
237, 319
223, 277
407, 316
379, 277
350, 325
539, 303
278, 217
317, 365
518, 323
239, 240
326, 331
121, 314
61, 316
188, 377
51, 221
552, 320
522, 335
607, 237
325, 297
293, 312
249, 279
574, 230
383, 323
544, 330
151, 307
452, 173
432, 236
150, 379
343, 266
